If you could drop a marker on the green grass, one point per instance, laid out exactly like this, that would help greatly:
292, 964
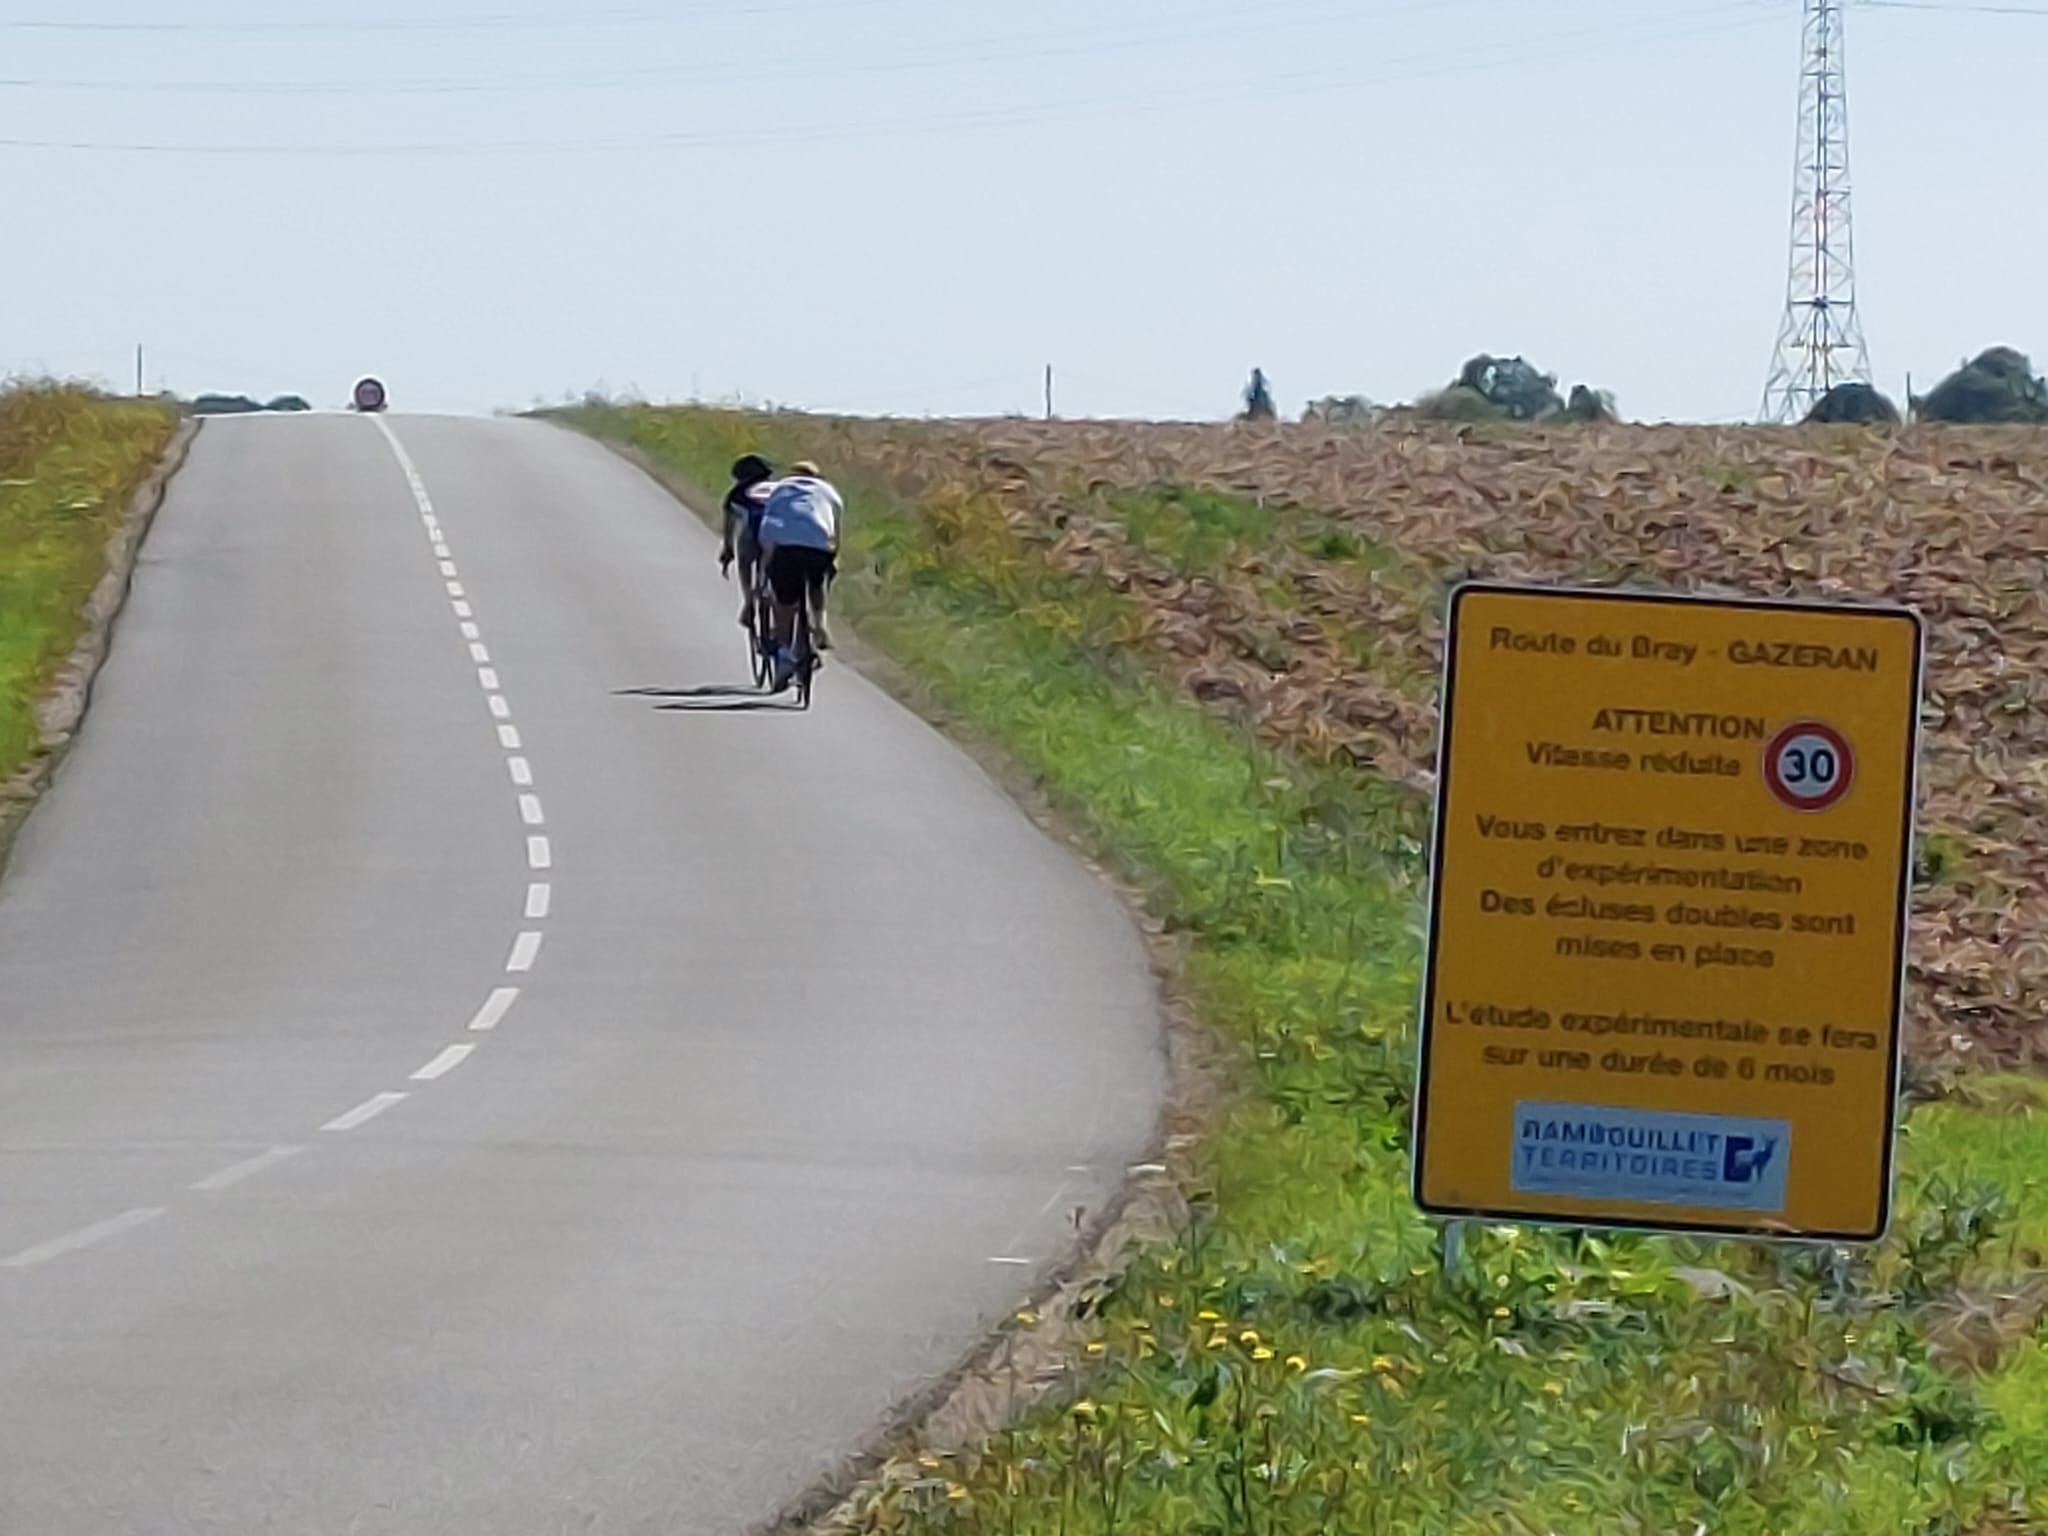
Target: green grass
1298, 1361
69, 460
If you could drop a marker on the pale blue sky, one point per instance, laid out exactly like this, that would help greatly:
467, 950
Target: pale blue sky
911, 206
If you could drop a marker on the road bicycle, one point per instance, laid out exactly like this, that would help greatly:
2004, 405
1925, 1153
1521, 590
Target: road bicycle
761, 642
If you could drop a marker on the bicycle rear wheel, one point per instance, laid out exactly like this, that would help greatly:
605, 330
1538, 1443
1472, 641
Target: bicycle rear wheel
758, 650
806, 657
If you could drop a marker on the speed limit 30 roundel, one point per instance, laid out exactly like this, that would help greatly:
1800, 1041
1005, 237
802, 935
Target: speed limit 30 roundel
1809, 766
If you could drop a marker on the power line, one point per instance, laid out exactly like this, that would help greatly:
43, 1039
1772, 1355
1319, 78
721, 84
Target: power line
1235, 20
485, 22
1293, 84
1973, 7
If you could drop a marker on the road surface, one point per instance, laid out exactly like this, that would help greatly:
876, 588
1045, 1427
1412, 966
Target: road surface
458, 1076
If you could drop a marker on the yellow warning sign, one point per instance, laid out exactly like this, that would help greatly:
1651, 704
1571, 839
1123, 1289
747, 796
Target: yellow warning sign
1673, 842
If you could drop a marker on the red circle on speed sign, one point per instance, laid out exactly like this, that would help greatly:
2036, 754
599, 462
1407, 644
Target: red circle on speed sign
1809, 766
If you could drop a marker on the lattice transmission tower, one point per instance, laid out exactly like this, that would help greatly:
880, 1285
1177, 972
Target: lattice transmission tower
1820, 342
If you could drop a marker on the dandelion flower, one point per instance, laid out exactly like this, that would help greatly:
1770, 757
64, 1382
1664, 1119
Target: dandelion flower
956, 1493
1361, 1418
1297, 1362
1027, 1317
1207, 1315
1166, 1303
1096, 1346
1084, 1409
1262, 1353
1554, 1388
1248, 1337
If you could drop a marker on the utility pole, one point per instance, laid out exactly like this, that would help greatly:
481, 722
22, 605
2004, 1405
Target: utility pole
1820, 340
1048, 391
139, 390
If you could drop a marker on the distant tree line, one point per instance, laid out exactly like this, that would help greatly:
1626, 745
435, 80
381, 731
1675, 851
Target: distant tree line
243, 405
1997, 386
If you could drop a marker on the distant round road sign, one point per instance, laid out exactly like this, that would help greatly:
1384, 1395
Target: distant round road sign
1809, 766
369, 395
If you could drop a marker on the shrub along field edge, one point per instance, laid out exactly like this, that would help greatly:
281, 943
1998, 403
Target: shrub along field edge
1297, 1359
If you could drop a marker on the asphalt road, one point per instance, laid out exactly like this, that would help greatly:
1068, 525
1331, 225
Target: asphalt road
750, 1062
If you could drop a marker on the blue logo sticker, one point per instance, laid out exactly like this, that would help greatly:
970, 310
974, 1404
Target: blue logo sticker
1657, 1157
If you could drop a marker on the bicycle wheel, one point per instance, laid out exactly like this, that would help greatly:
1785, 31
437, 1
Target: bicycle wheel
757, 645
806, 658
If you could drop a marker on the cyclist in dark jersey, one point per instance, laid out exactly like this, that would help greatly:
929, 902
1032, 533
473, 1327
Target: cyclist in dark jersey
752, 478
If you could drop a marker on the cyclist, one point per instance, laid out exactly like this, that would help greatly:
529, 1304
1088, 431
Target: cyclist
799, 552
752, 478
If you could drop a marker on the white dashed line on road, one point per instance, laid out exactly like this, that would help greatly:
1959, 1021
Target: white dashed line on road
84, 1237
540, 900
443, 1064
540, 854
525, 949
530, 811
521, 771
448, 568
364, 1112
470, 631
248, 1168
508, 737
499, 707
493, 1012
488, 679
455, 589
479, 652
462, 610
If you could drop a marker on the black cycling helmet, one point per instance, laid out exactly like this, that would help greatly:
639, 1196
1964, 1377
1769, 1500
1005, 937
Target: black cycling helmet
752, 470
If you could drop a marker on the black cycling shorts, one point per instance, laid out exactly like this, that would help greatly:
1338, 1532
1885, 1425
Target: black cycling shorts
792, 570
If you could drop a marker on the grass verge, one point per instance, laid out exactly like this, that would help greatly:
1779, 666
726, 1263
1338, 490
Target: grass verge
1298, 1360
70, 460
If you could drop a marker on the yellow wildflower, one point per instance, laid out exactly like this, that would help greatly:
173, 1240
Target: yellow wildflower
1502, 1312
1297, 1362
1096, 1346
1554, 1388
1262, 1353
1361, 1418
956, 1493
1027, 1317
1084, 1409
1206, 1315
1248, 1338
1167, 1303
